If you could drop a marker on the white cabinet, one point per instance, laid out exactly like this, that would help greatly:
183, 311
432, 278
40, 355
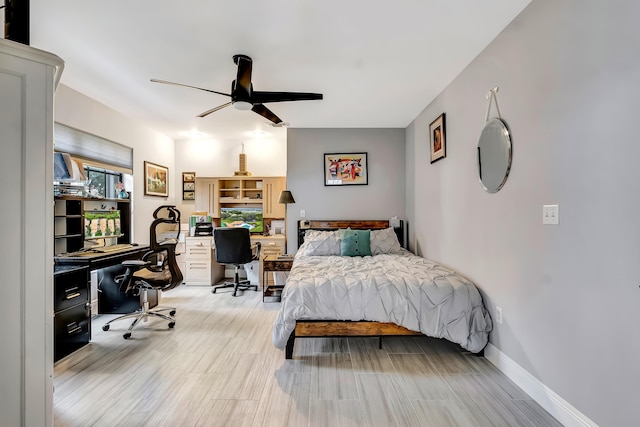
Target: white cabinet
200, 265
198, 260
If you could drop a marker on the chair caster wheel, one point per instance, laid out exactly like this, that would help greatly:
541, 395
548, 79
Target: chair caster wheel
127, 335
213, 291
172, 313
105, 327
171, 325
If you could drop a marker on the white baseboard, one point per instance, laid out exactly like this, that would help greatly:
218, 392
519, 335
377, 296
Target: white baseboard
559, 408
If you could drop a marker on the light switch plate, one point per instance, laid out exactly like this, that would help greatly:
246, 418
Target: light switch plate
550, 214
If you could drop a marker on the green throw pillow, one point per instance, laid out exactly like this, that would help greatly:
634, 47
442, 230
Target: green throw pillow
355, 243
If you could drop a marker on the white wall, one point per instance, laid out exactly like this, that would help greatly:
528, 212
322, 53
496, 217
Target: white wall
81, 112
569, 90
266, 156
382, 198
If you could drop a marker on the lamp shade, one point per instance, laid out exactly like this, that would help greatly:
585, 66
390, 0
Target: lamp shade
286, 197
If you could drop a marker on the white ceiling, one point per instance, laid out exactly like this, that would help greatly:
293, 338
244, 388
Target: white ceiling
378, 63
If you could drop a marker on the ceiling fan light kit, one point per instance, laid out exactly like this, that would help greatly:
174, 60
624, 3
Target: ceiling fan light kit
243, 97
242, 105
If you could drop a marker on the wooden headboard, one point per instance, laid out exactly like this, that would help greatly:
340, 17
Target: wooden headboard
328, 225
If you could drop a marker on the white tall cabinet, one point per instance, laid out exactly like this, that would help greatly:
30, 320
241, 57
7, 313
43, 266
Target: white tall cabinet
28, 78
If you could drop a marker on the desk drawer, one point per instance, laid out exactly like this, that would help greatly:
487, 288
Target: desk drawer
198, 248
198, 271
70, 289
197, 252
72, 330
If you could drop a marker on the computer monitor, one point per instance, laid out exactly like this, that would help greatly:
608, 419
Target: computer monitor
247, 217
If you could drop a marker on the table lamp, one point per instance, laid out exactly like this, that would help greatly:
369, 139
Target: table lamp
286, 197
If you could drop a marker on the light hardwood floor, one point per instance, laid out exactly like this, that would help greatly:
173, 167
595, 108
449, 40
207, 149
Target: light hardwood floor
218, 367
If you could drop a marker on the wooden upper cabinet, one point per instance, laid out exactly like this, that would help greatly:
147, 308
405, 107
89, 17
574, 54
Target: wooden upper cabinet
272, 187
207, 196
214, 193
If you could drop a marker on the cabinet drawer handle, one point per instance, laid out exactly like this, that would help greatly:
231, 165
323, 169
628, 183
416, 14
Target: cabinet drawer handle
72, 296
73, 328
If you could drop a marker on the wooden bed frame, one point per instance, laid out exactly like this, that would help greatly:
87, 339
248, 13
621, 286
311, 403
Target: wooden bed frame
345, 328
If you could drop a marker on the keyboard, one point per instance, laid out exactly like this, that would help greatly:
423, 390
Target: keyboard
112, 248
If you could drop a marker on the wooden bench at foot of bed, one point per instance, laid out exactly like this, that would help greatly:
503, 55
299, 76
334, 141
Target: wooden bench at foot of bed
344, 328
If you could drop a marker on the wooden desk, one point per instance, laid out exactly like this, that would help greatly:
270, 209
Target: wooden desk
273, 263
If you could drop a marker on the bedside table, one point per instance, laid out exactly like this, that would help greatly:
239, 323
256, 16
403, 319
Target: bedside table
273, 263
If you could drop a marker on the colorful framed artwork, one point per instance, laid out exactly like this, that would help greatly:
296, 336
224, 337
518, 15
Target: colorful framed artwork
438, 142
156, 180
345, 169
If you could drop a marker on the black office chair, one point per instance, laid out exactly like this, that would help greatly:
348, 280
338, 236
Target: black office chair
233, 246
157, 270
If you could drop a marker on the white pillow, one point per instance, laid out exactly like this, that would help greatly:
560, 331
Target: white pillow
384, 242
317, 242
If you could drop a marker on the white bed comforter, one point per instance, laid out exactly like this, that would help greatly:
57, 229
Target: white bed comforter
405, 289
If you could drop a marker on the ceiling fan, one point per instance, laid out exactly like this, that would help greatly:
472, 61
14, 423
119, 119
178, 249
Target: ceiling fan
243, 97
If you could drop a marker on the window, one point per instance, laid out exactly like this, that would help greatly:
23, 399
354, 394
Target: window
103, 181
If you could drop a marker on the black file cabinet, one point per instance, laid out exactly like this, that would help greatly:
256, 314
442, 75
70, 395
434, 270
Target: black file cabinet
72, 309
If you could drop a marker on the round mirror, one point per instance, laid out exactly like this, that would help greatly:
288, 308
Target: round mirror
494, 155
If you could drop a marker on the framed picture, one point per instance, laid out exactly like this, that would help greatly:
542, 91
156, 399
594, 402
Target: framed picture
438, 143
156, 180
188, 185
345, 169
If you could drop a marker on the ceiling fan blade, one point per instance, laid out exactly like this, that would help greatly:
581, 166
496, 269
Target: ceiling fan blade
243, 79
260, 97
193, 87
213, 110
266, 113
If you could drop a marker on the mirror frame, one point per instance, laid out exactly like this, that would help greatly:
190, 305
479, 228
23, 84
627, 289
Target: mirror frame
506, 141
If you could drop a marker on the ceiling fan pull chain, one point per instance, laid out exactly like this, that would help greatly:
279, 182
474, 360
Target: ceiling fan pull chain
491, 96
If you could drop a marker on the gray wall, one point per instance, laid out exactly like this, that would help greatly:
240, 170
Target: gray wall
569, 83
382, 198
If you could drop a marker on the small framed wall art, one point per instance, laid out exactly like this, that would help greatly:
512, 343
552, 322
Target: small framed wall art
188, 185
345, 169
156, 180
438, 142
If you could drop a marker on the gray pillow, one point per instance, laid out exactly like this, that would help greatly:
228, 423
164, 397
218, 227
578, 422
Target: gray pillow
384, 242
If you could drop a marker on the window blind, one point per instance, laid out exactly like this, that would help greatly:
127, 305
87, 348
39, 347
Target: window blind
92, 148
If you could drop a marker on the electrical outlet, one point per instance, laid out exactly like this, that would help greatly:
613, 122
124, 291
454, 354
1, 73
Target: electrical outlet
550, 214
303, 213
499, 315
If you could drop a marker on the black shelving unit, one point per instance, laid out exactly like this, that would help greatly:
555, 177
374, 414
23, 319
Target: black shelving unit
69, 232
